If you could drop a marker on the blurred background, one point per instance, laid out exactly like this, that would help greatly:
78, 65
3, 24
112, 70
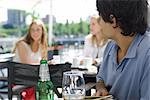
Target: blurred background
67, 21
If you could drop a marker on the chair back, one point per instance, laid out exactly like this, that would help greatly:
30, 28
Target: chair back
21, 74
56, 73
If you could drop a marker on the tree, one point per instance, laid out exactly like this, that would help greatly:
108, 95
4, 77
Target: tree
75, 29
34, 15
8, 26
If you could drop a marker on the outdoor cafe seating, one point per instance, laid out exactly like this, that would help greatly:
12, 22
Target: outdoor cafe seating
27, 75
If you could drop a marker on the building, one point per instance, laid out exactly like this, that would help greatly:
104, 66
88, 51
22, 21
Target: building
16, 17
46, 19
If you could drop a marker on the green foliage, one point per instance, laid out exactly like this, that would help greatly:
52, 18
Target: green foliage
8, 26
3, 34
8, 32
75, 29
24, 30
33, 14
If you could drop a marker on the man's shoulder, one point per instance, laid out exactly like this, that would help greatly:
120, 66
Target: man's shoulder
110, 44
145, 43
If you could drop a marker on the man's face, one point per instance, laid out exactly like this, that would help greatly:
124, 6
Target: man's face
106, 28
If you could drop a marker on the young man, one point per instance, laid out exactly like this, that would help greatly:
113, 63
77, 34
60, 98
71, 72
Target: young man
125, 72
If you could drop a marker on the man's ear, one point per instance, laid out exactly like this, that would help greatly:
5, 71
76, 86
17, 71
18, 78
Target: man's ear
113, 21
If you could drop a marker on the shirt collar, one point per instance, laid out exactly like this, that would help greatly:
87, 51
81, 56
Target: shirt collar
131, 53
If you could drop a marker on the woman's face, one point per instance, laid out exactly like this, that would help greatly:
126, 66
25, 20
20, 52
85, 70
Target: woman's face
94, 26
36, 32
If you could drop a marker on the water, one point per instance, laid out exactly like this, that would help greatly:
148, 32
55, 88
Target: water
73, 96
73, 85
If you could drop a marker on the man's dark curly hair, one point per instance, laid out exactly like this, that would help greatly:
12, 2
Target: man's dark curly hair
131, 15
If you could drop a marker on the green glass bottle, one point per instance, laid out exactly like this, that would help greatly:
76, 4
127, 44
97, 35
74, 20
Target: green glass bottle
45, 86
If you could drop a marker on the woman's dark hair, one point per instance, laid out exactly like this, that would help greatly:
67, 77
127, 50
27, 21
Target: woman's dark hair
131, 15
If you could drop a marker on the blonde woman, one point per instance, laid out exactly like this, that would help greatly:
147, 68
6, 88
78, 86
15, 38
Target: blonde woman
95, 42
31, 49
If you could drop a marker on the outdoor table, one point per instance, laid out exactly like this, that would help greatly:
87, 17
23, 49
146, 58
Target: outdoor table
6, 57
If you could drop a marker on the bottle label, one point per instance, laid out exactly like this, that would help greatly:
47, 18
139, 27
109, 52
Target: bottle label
44, 72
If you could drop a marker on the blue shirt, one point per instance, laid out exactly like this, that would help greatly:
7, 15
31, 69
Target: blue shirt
130, 79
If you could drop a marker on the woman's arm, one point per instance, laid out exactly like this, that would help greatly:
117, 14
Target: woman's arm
22, 52
87, 47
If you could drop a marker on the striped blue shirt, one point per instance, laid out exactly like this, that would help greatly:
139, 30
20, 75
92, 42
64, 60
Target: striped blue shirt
130, 79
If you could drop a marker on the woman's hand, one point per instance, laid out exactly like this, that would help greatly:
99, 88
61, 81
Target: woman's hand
94, 62
81, 62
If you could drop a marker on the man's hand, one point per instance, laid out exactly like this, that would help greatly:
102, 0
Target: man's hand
101, 89
101, 92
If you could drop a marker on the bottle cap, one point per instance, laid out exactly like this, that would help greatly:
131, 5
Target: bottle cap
43, 61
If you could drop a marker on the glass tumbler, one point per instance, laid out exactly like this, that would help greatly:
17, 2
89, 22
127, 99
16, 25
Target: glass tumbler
73, 85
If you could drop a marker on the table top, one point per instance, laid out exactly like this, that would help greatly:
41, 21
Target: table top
4, 60
109, 97
7, 55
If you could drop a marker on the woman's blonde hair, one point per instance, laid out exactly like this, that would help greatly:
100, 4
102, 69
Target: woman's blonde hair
95, 41
28, 39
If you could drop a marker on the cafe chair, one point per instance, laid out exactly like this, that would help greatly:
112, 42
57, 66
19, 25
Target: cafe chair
24, 76
56, 75
3, 80
20, 75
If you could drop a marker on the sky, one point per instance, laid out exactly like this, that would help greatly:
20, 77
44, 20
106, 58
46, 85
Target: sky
72, 10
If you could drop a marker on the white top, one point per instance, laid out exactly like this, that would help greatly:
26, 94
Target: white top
34, 57
91, 50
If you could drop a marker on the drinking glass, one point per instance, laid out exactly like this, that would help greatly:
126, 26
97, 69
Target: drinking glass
73, 85
87, 62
